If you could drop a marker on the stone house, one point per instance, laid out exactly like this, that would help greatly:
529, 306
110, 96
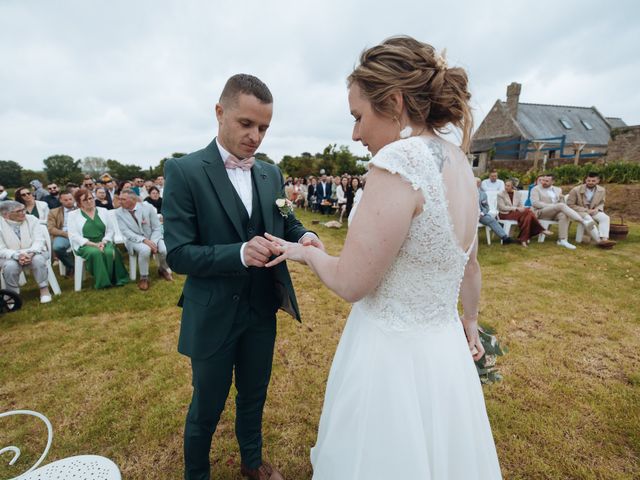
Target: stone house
519, 136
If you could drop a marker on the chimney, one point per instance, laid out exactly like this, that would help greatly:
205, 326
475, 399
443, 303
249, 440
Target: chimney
513, 97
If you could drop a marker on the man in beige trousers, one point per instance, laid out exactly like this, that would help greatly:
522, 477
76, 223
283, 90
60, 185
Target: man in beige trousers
588, 201
548, 204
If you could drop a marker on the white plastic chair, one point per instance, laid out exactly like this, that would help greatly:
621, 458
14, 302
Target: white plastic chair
492, 200
82, 467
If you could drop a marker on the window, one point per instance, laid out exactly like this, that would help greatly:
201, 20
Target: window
587, 125
566, 123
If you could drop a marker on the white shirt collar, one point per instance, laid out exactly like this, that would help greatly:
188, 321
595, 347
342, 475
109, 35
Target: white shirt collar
223, 153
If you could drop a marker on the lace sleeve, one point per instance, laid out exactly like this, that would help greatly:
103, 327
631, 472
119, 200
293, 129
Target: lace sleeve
403, 158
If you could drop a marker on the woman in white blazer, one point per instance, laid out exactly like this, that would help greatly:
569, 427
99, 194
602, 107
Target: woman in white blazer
91, 235
34, 207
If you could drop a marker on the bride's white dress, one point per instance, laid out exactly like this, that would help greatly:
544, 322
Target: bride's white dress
403, 399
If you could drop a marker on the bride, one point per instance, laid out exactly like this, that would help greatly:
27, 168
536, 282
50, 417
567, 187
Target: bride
403, 398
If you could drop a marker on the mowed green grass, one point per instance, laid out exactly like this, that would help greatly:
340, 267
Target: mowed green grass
103, 367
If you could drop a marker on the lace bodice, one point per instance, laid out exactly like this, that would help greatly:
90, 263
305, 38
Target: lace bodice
420, 289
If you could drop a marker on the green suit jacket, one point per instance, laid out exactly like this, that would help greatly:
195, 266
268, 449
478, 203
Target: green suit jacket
203, 234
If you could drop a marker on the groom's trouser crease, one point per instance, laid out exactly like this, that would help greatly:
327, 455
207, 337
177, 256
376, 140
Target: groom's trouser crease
249, 349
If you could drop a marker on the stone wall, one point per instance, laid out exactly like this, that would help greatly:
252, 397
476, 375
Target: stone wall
498, 123
624, 145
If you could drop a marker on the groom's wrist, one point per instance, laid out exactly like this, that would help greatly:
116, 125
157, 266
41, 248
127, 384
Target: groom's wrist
242, 255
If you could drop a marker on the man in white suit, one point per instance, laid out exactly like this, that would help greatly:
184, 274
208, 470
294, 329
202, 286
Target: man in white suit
140, 227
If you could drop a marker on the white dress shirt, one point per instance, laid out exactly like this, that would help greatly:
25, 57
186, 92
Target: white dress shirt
240, 179
488, 186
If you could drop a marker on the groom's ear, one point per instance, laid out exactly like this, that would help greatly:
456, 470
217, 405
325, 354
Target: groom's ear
219, 112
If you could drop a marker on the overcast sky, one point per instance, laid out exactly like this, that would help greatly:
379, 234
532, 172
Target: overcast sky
138, 80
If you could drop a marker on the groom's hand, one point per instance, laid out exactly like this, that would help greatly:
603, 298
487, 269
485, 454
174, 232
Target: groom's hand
258, 250
313, 240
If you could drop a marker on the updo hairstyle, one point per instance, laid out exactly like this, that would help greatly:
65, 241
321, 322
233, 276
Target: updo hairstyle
434, 95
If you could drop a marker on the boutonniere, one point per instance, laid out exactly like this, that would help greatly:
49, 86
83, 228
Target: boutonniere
285, 207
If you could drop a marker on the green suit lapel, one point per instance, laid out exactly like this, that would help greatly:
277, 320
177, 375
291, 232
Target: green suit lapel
265, 193
214, 168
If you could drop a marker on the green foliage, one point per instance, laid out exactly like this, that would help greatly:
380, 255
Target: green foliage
62, 169
333, 160
264, 157
123, 172
615, 172
10, 173
28, 175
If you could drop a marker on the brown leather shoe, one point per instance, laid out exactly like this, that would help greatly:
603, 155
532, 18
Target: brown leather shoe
143, 284
263, 472
606, 244
166, 274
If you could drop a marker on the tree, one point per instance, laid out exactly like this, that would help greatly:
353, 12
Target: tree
94, 166
62, 169
264, 157
298, 166
10, 173
28, 175
122, 172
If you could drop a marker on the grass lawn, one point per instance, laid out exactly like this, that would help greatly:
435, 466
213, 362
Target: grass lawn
103, 367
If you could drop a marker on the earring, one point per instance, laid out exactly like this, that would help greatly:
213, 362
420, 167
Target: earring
406, 132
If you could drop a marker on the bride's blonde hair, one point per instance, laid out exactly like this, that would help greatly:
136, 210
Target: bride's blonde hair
434, 95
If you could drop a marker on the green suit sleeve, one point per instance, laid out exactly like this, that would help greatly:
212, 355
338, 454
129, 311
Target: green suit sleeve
184, 254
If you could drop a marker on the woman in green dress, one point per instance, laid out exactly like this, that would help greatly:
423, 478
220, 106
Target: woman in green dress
91, 236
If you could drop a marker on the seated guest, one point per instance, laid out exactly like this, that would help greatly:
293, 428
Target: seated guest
3, 193
548, 204
38, 192
323, 195
34, 207
511, 207
354, 194
155, 199
493, 183
89, 184
102, 199
341, 194
489, 220
91, 236
58, 226
142, 234
160, 184
23, 245
588, 201
312, 194
53, 199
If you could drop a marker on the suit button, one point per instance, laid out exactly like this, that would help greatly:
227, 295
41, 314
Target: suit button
236, 298
251, 230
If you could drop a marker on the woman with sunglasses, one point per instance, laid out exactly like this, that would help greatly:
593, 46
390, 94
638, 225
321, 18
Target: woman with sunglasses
91, 236
34, 207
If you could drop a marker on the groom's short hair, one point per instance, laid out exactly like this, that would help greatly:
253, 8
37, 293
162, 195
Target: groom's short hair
247, 84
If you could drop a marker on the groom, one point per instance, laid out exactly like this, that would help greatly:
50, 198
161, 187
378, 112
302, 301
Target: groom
218, 204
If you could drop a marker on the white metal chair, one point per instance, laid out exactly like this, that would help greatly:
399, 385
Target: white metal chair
81, 467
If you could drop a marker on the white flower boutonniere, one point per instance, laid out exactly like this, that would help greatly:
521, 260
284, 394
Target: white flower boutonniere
285, 207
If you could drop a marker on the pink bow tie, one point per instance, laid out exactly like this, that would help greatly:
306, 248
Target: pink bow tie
245, 164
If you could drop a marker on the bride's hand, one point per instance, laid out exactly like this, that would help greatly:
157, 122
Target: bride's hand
290, 251
473, 338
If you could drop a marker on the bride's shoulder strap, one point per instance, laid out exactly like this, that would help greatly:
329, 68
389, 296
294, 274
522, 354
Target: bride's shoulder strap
409, 158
